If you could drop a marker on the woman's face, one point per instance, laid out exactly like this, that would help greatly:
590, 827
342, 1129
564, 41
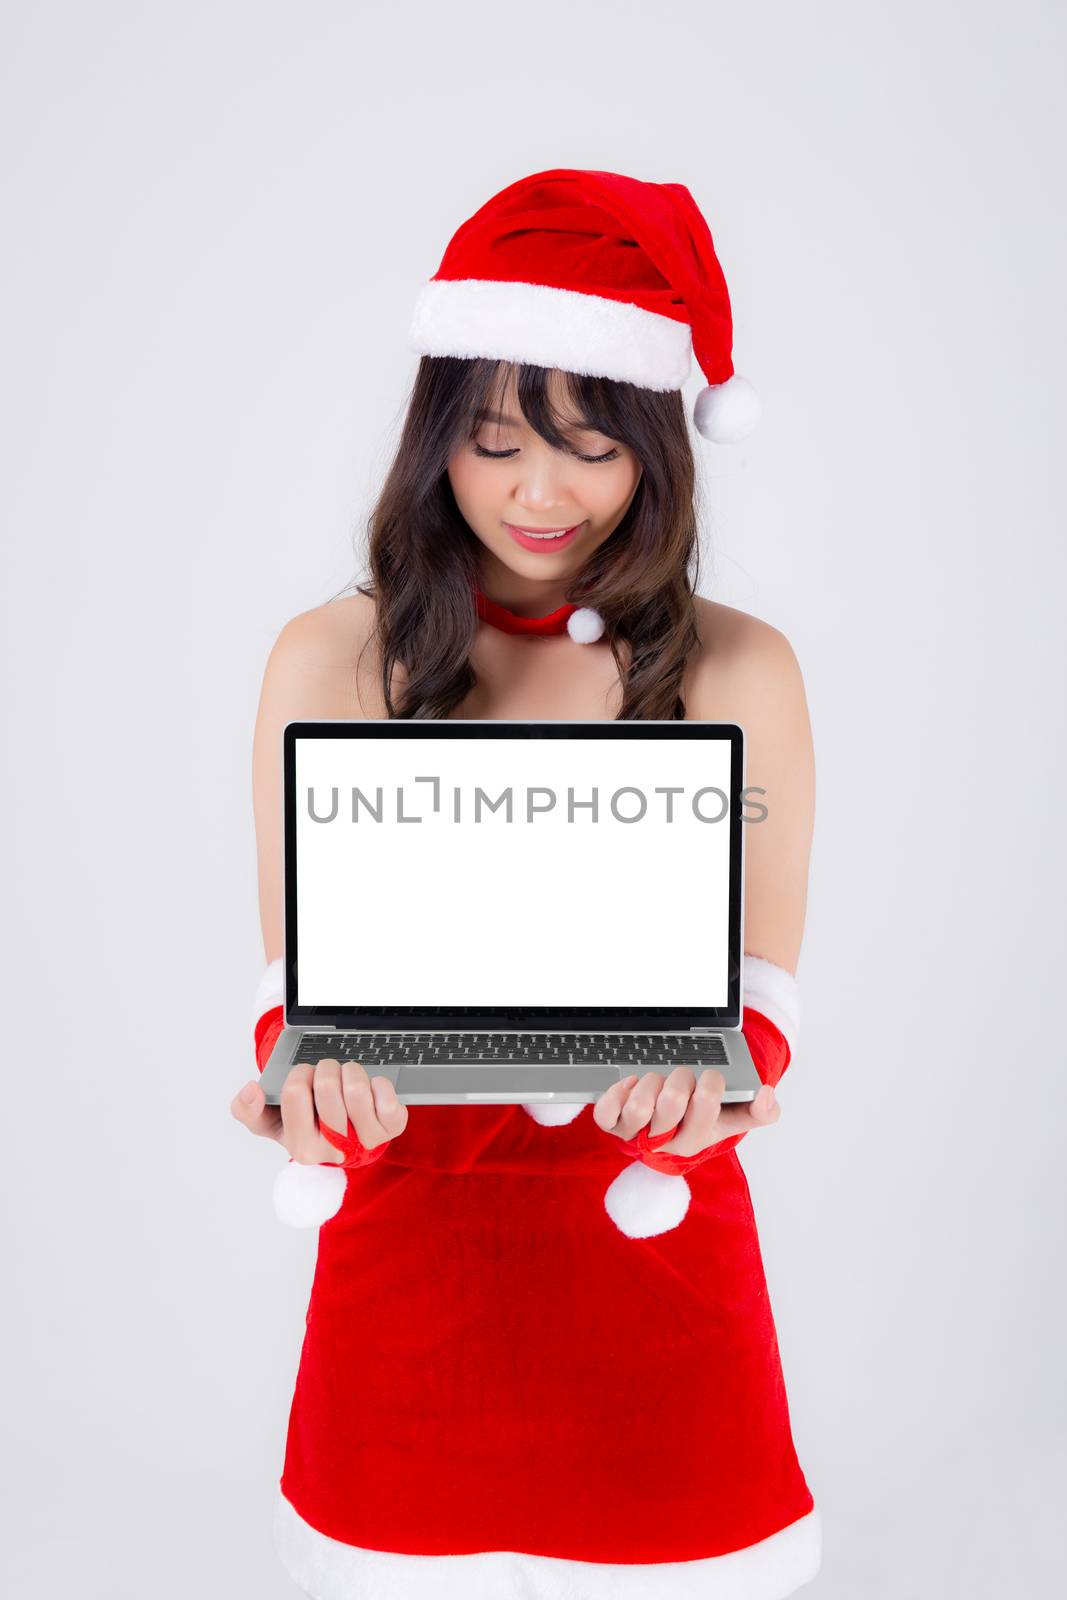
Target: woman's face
528, 484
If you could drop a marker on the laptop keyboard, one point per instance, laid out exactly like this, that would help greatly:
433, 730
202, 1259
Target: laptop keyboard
645, 1051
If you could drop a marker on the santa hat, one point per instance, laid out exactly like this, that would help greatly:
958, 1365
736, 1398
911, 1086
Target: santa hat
597, 273
648, 1197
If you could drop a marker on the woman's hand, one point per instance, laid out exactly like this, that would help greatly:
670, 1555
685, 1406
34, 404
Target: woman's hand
628, 1106
327, 1092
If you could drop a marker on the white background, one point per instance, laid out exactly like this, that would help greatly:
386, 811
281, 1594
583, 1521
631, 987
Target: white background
447, 910
217, 218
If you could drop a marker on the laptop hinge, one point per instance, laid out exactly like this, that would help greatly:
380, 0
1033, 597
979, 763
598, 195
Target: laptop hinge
705, 1030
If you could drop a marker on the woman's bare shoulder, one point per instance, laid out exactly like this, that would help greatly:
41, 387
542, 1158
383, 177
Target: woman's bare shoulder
733, 637
739, 660
334, 633
332, 649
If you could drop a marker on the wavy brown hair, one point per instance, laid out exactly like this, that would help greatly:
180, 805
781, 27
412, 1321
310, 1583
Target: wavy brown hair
423, 557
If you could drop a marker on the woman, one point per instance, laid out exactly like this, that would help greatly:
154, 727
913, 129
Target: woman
540, 1358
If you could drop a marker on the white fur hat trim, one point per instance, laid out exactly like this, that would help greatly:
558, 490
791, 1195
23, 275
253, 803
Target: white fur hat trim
550, 327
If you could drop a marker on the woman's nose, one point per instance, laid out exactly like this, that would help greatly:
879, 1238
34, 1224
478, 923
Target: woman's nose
541, 487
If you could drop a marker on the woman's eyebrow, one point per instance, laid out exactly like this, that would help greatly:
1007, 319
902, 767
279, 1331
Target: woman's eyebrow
513, 422
495, 416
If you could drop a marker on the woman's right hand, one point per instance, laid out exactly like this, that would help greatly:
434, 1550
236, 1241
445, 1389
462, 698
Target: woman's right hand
328, 1092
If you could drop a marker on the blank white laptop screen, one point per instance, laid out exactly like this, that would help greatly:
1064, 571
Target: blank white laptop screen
476, 872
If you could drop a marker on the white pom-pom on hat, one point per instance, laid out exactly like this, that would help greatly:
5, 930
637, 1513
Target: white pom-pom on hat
585, 625
727, 412
642, 1202
306, 1196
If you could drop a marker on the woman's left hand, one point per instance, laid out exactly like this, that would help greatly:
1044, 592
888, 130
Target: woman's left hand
659, 1103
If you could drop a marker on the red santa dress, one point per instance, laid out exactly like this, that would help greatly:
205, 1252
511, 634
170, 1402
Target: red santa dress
540, 1363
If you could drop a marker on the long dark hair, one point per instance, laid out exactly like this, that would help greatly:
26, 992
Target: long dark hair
424, 558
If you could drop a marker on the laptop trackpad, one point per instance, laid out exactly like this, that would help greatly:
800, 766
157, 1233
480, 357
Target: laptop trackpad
463, 1076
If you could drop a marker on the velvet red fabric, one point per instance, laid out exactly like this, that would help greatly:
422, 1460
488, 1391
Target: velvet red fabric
490, 1364
266, 1032
554, 622
606, 235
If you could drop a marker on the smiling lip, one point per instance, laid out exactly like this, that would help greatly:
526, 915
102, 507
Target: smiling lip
520, 536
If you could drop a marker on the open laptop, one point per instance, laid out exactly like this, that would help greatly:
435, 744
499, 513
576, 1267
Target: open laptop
498, 911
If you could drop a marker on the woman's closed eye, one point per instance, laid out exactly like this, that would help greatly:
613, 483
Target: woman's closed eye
502, 455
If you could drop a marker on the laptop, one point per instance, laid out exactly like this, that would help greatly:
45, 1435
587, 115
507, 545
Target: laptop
513, 912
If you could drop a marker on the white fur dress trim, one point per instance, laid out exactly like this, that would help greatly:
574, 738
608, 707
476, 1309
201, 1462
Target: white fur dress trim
551, 327
327, 1569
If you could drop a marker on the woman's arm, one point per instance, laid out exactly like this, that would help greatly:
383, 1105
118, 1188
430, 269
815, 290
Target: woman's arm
748, 673
310, 676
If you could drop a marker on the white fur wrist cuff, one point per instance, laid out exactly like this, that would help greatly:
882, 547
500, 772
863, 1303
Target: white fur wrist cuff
270, 991
774, 991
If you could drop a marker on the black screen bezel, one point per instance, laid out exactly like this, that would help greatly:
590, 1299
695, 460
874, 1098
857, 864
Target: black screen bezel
542, 1018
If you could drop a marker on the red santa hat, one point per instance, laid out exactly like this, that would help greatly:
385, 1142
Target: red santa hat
597, 273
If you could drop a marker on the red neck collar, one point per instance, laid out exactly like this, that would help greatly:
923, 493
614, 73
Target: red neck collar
510, 622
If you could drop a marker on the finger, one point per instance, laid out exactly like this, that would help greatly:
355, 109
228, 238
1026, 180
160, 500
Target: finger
363, 1108
330, 1110
606, 1110
390, 1110
300, 1136
761, 1112
672, 1102
250, 1106
701, 1124
639, 1106
765, 1107
757, 1113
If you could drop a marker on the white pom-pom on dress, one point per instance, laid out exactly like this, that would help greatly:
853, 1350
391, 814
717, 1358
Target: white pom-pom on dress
642, 1202
551, 1115
306, 1195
